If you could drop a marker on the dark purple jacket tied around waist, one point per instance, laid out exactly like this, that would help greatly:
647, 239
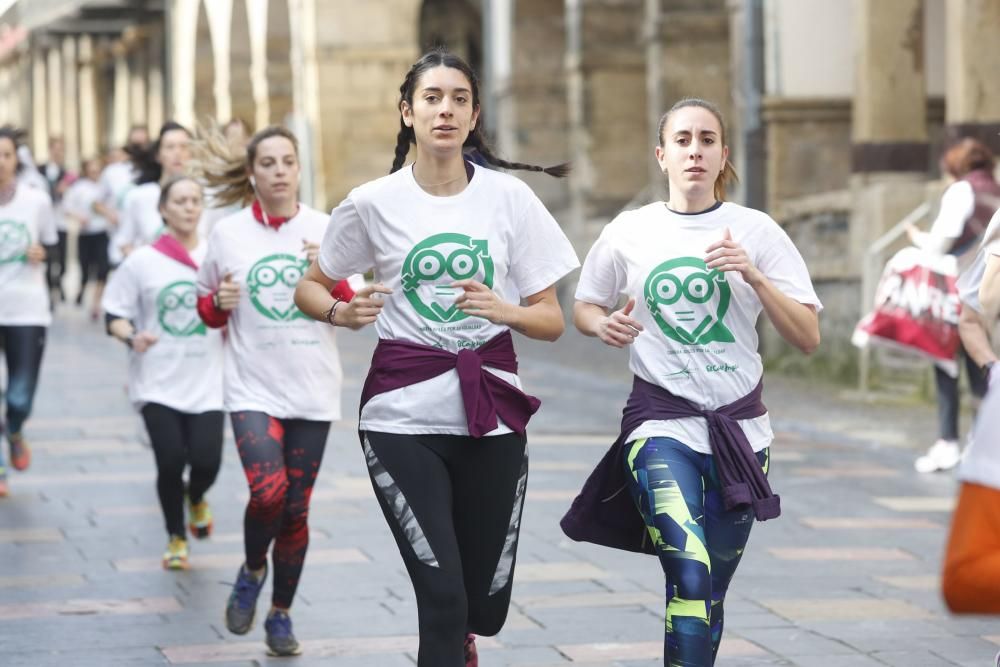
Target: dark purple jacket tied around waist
400, 363
604, 513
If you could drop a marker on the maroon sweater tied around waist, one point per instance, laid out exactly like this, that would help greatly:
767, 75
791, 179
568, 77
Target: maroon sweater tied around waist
400, 363
604, 513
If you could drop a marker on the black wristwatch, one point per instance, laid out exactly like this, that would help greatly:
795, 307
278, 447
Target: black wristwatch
128, 340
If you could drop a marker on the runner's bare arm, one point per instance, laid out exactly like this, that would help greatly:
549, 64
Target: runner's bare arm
973, 331
616, 329
540, 317
989, 289
312, 296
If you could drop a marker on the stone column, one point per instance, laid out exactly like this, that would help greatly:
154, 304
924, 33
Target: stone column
155, 85
306, 97
89, 143
70, 106
889, 157
889, 132
972, 60
120, 114
499, 18
182, 60
39, 110
137, 85
54, 72
257, 20
220, 17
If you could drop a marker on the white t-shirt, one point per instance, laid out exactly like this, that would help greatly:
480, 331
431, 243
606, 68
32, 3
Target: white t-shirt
26, 220
140, 222
699, 339
981, 461
278, 360
116, 181
79, 200
958, 203
495, 231
183, 369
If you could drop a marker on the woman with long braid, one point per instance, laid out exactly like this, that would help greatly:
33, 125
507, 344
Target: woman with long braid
282, 371
456, 250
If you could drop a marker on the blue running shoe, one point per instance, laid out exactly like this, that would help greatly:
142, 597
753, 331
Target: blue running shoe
280, 640
242, 604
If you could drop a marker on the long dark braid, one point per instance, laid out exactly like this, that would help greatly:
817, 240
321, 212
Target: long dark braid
435, 58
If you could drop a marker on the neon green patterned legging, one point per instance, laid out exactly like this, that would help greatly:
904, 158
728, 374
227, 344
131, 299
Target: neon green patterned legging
698, 542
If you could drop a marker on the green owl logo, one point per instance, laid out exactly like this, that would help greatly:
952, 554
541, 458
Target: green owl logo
271, 283
689, 301
14, 242
177, 310
434, 264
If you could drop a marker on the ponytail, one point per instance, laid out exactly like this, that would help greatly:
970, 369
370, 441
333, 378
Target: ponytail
728, 174
227, 173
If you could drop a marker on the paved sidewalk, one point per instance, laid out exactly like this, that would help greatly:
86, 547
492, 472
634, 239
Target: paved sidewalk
848, 576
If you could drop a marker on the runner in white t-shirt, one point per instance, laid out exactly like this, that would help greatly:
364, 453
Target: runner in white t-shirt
696, 272
970, 582
456, 249
283, 375
175, 363
26, 226
139, 222
80, 202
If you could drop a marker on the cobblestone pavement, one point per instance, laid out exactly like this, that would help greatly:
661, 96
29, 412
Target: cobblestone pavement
848, 576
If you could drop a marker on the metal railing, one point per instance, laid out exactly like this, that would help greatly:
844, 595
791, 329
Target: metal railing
873, 262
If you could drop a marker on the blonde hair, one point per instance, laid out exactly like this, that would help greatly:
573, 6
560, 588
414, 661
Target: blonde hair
728, 174
225, 172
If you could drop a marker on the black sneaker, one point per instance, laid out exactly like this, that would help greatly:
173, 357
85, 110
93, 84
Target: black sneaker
280, 640
242, 604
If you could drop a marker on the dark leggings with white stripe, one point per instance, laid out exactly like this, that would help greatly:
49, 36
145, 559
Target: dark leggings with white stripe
281, 458
453, 504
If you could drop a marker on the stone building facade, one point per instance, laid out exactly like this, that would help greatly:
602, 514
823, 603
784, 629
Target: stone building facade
838, 110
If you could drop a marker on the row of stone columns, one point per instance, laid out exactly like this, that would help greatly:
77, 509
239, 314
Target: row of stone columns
53, 88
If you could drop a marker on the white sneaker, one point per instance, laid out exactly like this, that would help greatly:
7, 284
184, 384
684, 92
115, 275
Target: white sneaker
943, 455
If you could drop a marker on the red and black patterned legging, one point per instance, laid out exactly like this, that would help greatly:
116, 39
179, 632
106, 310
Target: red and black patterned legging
281, 458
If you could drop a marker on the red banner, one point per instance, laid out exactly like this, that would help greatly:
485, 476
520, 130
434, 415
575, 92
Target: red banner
916, 308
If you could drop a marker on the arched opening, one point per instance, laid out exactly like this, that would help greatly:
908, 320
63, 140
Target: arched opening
240, 88
279, 66
455, 24
204, 71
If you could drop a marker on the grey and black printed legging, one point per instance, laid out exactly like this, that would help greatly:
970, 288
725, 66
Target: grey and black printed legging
698, 542
454, 505
281, 458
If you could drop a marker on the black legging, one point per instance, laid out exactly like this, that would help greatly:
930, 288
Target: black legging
93, 252
281, 458
182, 439
55, 260
947, 394
453, 504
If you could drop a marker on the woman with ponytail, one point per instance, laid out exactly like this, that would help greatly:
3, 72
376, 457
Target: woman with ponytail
695, 272
175, 363
282, 370
166, 158
461, 255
